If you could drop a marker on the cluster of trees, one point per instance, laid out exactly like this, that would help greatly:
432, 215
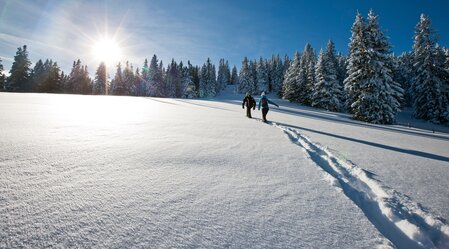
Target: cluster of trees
262, 75
371, 82
177, 80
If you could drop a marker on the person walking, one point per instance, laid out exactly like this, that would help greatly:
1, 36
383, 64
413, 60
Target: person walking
264, 101
250, 103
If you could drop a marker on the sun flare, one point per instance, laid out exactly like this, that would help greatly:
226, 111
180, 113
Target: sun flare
106, 50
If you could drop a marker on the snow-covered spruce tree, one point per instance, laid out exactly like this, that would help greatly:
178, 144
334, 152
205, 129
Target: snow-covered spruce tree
277, 74
50, 79
19, 75
404, 75
379, 95
245, 77
37, 75
2, 78
357, 61
208, 80
194, 72
118, 84
129, 80
156, 86
234, 76
327, 90
172, 80
290, 85
187, 85
222, 76
262, 76
253, 70
145, 78
342, 64
310, 59
305, 79
427, 86
79, 81
100, 82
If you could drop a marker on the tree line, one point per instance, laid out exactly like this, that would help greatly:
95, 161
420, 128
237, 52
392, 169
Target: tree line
370, 82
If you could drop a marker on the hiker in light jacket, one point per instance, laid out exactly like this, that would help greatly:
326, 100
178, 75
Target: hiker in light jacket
264, 101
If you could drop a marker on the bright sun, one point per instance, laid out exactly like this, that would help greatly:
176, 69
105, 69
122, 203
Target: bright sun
106, 50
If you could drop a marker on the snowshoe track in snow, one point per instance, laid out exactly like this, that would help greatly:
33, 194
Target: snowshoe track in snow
399, 219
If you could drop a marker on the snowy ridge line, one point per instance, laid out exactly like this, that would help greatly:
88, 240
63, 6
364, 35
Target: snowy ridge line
395, 215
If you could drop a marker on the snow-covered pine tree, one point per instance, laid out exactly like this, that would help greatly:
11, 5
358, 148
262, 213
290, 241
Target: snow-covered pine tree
49, 80
194, 72
309, 57
327, 90
208, 80
253, 70
188, 87
378, 99
341, 76
357, 61
145, 78
234, 76
427, 86
37, 75
222, 76
305, 77
19, 75
245, 77
100, 82
290, 84
403, 74
118, 84
79, 81
129, 79
172, 80
277, 75
2, 77
262, 76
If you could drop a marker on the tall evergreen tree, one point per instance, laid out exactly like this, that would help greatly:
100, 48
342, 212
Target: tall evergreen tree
49, 78
327, 92
129, 80
208, 80
118, 86
173, 81
357, 61
261, 76
378, 97
234, 76
245, 77
2, 77
100, 83
194, 72
145, 79
222, 75
277, 74
79, 81
19, 75
308, 67
290, 85
429, 100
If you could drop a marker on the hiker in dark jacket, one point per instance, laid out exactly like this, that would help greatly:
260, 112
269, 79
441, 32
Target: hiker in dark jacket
250, 103
264, 103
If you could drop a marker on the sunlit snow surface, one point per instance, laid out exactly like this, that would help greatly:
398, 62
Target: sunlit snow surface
103, 171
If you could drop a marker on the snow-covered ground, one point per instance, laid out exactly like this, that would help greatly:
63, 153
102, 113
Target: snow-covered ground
103, 171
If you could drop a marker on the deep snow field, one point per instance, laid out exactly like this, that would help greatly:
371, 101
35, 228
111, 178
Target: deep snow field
118, 172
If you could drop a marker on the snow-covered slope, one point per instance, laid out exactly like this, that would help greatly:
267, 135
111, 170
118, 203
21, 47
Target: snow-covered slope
102, 171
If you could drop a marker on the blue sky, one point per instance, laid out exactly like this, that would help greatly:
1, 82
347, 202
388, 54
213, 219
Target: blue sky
196, 29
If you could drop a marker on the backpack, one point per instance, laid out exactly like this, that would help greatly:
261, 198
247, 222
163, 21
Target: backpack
264, 102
